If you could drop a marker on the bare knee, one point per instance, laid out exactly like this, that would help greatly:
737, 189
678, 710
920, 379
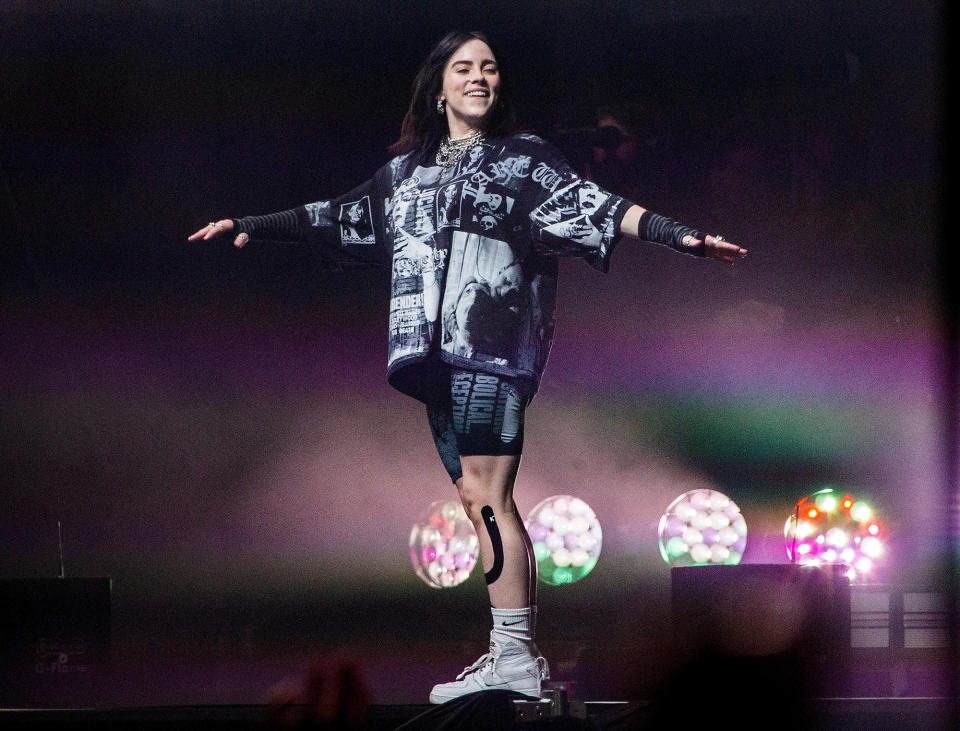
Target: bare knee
487, 480
475, 495
473, 498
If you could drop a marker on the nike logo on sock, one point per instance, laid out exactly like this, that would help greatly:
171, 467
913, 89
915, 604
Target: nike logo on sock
510, 624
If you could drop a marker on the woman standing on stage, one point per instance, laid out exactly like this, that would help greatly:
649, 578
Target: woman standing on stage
472, 218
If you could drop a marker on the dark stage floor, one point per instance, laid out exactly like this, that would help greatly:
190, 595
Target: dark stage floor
875, 714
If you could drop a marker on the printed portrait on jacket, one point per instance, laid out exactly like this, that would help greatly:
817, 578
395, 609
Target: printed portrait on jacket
356, 222
486, 298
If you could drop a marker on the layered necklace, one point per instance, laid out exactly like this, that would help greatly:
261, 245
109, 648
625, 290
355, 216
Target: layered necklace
451, 151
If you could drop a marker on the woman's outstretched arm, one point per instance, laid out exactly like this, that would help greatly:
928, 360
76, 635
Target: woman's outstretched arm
643, 224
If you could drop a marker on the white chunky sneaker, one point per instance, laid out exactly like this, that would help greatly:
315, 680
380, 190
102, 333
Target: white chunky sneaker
508, 667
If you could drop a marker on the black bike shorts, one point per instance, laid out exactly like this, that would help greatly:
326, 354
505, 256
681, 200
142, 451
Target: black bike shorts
480, 413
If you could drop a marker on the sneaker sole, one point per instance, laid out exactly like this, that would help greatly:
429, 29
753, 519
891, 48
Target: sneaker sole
439, 699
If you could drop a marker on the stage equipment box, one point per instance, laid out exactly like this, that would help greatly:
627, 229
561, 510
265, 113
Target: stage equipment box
788, 616
55, 640
900, 642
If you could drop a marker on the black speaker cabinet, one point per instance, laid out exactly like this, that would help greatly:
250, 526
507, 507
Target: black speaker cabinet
793, 618
54, 641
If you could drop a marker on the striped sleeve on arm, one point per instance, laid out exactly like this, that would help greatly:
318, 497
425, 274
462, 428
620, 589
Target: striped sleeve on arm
283, 226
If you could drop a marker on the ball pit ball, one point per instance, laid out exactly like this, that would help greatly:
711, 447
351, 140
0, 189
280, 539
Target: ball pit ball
702, 527
443, 545
554, 541
718, 521
538, 532
566, 537
719, 553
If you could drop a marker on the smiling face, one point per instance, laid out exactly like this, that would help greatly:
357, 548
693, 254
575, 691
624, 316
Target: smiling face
471, 82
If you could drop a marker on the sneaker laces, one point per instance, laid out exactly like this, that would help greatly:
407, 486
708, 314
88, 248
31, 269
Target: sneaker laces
544, 667
482, 662
489, 660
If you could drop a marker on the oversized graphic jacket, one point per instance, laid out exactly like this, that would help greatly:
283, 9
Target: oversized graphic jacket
473, 249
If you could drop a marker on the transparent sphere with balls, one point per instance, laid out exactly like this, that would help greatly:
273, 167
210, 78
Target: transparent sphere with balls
702, 527
566, 538
443, 545
832, 527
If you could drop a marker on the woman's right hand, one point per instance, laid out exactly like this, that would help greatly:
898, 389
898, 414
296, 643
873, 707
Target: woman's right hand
215, 228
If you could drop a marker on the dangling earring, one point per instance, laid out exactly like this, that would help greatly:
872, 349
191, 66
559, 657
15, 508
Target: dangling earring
439, 106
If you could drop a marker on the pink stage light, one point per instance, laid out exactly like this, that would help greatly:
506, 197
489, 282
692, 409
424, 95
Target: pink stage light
443, 545
566, 537
702, 527
834, 527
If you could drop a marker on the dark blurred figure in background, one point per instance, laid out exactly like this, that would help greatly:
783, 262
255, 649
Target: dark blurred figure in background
331, 695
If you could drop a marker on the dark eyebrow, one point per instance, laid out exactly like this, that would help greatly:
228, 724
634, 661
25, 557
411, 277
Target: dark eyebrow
483, 63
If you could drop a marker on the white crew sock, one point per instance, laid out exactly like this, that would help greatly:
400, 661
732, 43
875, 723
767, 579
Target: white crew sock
514, 625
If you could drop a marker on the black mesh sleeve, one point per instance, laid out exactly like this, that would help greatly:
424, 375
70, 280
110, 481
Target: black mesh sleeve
283, 226
662, 230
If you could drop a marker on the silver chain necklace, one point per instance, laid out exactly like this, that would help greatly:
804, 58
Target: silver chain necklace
452, 150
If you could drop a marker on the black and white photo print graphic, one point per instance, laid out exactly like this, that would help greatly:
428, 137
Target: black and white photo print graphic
471, 161
319, 213
424, 224
567, 213
485, 299
356, 222
489, 208
402, 211
449, 205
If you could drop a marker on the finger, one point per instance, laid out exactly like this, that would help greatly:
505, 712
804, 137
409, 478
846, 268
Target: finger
241, 239
724, 250
214, 228
735, 256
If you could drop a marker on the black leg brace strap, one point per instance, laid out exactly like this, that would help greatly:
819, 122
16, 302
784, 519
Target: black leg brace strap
490, 522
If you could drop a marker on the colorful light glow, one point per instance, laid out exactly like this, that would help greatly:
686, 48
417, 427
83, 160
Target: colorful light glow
826, 502
837, 537
443, 545
860, 512
834, 528
871, 546
702, 527
567, 539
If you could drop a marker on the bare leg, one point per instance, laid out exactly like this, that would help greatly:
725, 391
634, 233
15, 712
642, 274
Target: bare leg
488, 481
514, 662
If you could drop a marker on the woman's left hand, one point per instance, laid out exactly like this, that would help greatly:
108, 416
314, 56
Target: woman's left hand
722, 250
717, 247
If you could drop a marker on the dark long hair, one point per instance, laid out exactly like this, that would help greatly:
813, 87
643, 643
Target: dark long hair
422, 127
